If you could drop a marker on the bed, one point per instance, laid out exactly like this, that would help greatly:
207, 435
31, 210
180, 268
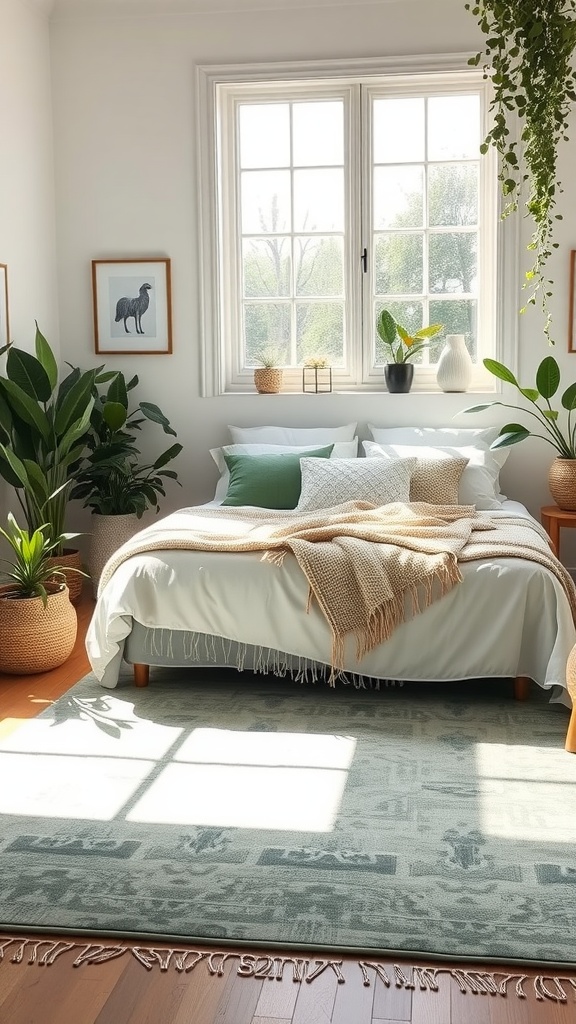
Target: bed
508, 617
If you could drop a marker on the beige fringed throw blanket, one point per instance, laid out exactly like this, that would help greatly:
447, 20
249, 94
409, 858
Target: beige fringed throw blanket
367, 567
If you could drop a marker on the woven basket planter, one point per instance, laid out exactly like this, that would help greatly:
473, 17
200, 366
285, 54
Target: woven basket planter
108, 534
74, 581
268, 380
35, 638
562, 483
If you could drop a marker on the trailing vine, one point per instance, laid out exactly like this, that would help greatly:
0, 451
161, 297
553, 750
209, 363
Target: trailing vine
528, 56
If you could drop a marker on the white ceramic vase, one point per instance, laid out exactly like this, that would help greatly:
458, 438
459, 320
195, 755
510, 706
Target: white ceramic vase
454, 371
108, 534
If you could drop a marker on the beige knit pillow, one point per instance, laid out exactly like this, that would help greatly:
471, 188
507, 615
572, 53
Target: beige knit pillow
433, 480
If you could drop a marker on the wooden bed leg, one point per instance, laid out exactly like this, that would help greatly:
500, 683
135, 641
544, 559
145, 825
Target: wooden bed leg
571, 733
570, 744
521, 688
141, 675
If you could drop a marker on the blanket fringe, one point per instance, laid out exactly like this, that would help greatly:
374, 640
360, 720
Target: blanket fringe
200, 648
555, 988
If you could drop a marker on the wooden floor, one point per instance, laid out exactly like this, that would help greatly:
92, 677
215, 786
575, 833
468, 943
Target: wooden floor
124, 991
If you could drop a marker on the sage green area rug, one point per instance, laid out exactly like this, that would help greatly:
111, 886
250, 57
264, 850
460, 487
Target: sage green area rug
230, 808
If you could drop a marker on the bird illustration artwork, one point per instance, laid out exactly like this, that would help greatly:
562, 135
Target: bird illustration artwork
127, 307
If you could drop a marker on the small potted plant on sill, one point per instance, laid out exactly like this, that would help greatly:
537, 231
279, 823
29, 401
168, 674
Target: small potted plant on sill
562, 474
317, 375
268, 376
37, 621
402, 346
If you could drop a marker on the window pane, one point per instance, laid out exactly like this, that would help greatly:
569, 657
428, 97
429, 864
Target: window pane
398, 266
398, 197
398, 130
318, 200
453, 127
318, 133
264, 135
320, 331
453, 262
266, 326
266, 266
265, 198
319, 266
459, 317
408, 314
453, 194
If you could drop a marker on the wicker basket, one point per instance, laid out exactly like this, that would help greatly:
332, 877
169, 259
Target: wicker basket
35, 638
108, 534
562, 483
268, 380
74, 581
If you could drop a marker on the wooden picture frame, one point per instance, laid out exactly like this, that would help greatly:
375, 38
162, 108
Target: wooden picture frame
132, 306
4, 317
572, 304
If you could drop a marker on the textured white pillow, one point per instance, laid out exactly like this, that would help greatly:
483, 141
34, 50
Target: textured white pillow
479, 482
292, 435
341, 450
374, 480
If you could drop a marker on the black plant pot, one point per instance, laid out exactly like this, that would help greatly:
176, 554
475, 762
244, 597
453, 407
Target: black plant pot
398, 377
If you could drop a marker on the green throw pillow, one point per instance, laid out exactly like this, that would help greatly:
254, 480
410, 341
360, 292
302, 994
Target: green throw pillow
268, 481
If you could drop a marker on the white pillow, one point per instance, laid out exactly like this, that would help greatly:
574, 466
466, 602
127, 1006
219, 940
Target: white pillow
482, 436
371, 480
479, 482
292, 435
341, 450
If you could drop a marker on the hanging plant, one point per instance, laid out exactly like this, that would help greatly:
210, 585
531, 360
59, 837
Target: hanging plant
528, 56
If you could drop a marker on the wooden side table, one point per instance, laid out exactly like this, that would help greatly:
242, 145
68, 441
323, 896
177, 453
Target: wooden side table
553, 519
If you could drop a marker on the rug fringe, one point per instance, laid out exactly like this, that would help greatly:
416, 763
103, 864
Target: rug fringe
552, 987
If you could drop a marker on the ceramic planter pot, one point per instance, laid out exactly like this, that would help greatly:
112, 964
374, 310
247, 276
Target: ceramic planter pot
398, 377
268, 380
562, 483
35, 638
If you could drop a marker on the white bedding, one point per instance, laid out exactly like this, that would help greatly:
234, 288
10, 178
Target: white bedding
508, 617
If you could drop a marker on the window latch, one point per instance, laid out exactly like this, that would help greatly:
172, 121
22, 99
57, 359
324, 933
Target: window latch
364, 261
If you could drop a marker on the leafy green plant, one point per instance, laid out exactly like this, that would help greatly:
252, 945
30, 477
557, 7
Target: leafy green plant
402, 345
32, 571
528, 56
563, 439
111, 480
43, 424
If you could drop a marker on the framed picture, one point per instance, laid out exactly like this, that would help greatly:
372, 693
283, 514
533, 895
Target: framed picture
4, 321
132, 314
572, 304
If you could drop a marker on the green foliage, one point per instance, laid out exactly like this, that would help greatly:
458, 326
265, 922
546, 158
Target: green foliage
528, 55
401, 345
547, 385
43, 426
111, 480
32, 572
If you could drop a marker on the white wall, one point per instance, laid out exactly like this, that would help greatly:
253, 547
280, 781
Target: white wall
27, 236
125, 149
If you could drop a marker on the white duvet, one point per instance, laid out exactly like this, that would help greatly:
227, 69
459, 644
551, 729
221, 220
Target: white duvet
508, 617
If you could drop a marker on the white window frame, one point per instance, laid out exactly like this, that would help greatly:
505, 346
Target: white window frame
217, 99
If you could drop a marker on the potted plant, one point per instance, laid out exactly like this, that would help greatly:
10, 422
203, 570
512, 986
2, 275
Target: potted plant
317, 374
528, 54
562, 475
402, 346
111, 480
37, 621
268, 376
43, 425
